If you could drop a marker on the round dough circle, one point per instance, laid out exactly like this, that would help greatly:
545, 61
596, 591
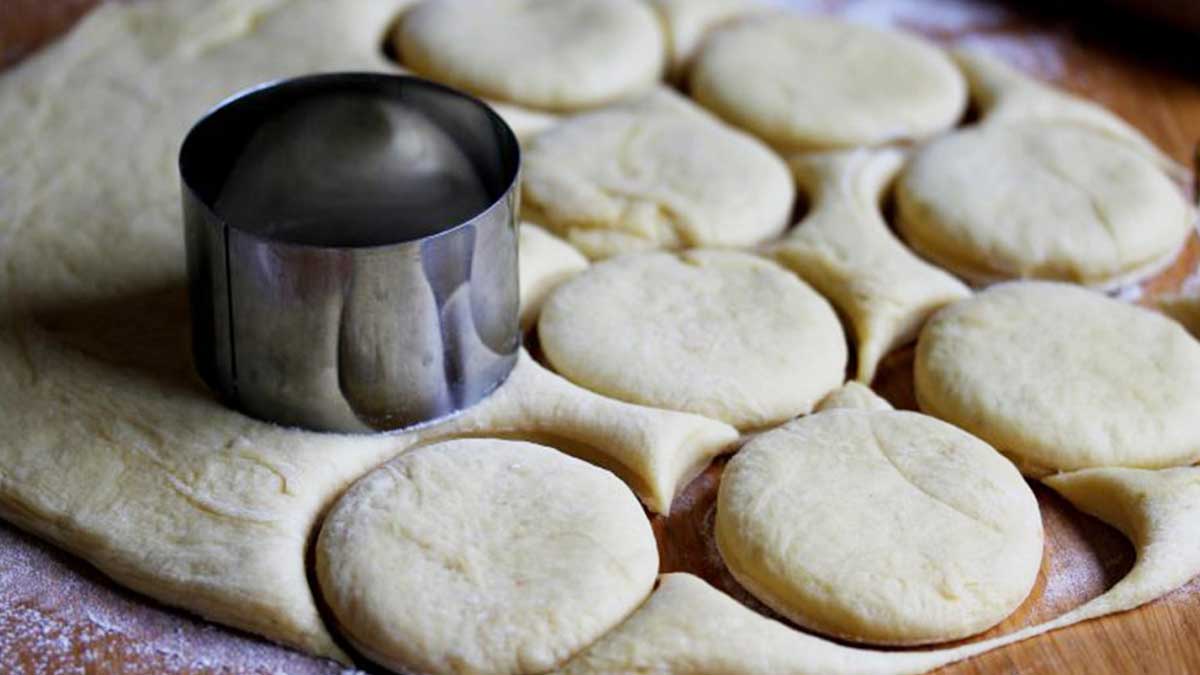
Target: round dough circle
723, 334
879, 526
804, 83
1062, 378
659, 174
484, 556
562, 55
1040, 201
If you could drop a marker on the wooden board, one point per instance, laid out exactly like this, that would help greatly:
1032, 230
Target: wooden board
57, 615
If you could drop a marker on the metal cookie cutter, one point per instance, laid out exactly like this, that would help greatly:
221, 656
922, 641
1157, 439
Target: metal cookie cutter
352, 250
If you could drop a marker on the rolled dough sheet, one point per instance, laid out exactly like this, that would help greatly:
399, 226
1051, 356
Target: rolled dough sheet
655, 451
656, 172
846, 251
111, 447
689, 628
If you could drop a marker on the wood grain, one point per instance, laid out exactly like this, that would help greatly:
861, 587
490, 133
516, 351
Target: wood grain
1150, 76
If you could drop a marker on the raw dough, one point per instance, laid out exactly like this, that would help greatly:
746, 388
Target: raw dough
654, 173
846, 251
803, 83
560, 55
1041, 200
544, 262
109, 445
1062, 378
688, 22
689, 628
719, 333
112, 449
1006, 95
955, 534
655, 451
484, 556
855, 396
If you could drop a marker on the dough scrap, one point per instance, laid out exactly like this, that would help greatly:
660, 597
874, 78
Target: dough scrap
1041, 200
846, 251
1006, 95
1061, 378
484, 556
112, 449
657, 172
805, 83
655, 451
956, 535
854, 396
688, 22
555, 56
544, 262
689, 628
723, 334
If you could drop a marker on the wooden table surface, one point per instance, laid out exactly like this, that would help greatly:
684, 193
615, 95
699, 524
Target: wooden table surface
58, 615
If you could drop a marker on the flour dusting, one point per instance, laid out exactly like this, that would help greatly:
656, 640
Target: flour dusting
60, 617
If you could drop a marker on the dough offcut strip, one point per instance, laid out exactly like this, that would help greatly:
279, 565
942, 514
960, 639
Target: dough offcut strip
690, 628
846, 251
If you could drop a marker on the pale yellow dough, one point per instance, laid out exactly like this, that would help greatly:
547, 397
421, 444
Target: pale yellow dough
803, 83
109, 445
1043, 200
657, 172
955, 536
561, 55
688, 23
544, 262
689, 628
846, 251
855, 396
1060, 378
723, 334
483, 557
1005, 95
655, 451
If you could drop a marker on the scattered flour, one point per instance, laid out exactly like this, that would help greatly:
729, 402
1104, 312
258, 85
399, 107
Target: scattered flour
60, 617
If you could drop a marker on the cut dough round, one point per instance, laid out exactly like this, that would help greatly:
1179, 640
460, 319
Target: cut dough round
1047, 201
880, 526
803, 83
1062, 378
719, 333
561, 55
484, 556
656, 173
